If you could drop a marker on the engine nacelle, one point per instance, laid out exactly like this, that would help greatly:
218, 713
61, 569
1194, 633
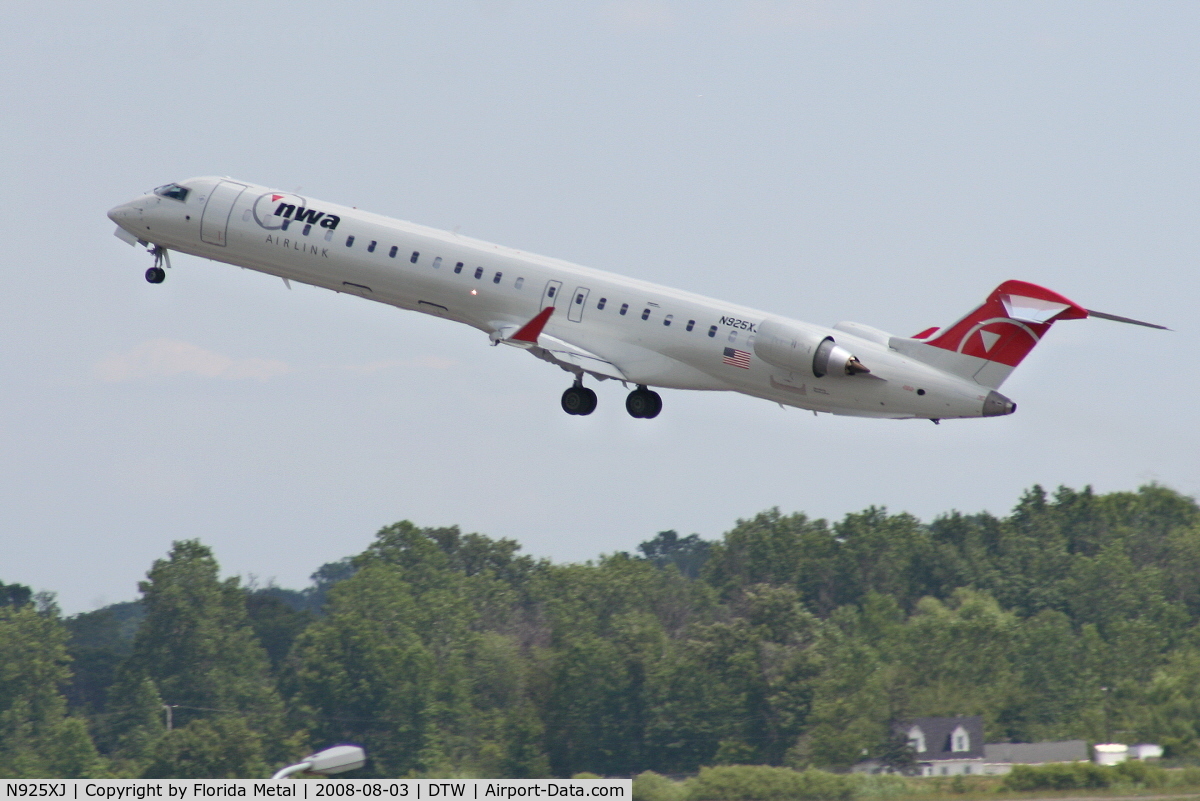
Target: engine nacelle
800, 350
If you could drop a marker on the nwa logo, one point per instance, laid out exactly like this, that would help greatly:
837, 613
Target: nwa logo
274, 209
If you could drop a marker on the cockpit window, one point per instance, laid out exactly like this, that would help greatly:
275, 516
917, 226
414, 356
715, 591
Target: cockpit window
173, 191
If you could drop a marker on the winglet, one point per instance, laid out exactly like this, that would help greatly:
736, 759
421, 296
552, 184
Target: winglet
528, 333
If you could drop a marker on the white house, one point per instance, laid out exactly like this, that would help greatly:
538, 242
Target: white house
946, 746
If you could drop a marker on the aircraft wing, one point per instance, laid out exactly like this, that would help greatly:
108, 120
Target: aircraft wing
567, 355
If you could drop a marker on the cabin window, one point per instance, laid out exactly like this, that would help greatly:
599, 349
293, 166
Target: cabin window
579, 299
624, 308
329, 235
392, 252
350, 241
667, 319
520, 283
416, 255
458, 267
691, 324
733, 335
496, 278
246, 215
750, 341
286, 225
712, 330
550, 291
645, 314
600, 303
478, 272
437, 263
307, 228
371, 247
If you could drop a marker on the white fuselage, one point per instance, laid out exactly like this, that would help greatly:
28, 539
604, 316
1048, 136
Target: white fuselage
604, 325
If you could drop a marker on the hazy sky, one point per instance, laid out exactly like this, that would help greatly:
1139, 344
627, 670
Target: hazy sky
888, 163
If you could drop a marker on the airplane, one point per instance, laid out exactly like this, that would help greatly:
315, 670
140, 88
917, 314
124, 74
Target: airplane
598, 324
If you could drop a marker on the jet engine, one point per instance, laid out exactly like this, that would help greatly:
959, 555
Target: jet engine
799, 350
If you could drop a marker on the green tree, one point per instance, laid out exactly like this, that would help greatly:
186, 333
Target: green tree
196, 652
363, 674
223, 747
37, 738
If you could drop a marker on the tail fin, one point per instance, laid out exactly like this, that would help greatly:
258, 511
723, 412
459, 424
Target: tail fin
991, 341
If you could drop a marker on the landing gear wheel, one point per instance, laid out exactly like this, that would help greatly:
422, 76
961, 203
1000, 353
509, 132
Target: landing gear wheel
643, 403
155, 275
579, 400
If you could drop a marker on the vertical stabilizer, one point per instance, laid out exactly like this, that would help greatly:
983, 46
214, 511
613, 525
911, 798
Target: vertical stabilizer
987, 344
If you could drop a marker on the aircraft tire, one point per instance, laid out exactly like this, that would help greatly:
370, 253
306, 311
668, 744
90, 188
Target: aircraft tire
643, 403
579, 400
156, 275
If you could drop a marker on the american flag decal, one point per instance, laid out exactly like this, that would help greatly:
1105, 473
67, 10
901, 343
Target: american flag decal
737, 358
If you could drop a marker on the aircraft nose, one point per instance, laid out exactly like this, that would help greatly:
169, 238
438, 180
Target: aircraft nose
122, 213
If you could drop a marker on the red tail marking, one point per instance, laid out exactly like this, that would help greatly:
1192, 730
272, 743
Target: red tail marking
928, 332
1009, 323
530, 331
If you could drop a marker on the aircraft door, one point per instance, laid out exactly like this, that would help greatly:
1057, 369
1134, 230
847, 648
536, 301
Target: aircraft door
578, 302
550, 293
214, 224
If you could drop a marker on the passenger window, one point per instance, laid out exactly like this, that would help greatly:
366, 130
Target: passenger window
579, 299
712, 331
350, 241
750, 341
307, 228
437, 263
458, 267
371, 247
286, 225
733, 335
600, 303
496, 278
478, 272
550, 291
691, 324
645, 314
667, 319
246, 215
624, 308
416, 255
392, 252
520, 283
329, 235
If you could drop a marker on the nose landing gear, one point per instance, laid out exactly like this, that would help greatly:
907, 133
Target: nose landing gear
156, 274
643, 403
579, 400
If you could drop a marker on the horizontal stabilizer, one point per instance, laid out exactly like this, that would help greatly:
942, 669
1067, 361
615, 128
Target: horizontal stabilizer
1116, 319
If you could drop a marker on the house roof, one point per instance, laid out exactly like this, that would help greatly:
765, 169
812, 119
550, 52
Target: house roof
1036, 753
937, 733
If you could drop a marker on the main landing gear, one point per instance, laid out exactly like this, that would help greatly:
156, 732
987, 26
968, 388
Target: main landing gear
579, 400
643, 403
156, 274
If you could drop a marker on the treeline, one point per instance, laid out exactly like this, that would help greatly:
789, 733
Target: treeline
789, 641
